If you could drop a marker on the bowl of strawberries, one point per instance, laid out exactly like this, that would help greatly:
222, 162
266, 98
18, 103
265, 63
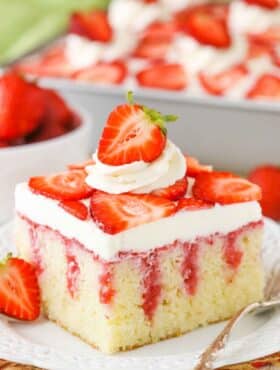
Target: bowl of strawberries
39, 132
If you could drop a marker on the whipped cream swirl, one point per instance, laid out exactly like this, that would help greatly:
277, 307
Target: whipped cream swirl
138, 177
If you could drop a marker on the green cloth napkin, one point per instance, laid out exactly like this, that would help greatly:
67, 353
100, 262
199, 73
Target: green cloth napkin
25, 24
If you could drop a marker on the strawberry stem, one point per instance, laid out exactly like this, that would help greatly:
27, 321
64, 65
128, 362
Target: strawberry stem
4, 261
154, 116
130, 97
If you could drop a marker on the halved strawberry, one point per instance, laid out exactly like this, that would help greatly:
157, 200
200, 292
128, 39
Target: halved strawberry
268, 178
224, 188
206, 23
19, 289
266, 87
103, 72
192, 204
22, 107
269, 4
194, 167
75, 208
173, 192
63, 186
163, 76
115, 213
220, 83
93, 25
81, 166
132, 133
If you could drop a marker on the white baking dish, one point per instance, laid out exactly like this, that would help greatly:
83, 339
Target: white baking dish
231, 134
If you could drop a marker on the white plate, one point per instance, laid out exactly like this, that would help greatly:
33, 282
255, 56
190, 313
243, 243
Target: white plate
46, 345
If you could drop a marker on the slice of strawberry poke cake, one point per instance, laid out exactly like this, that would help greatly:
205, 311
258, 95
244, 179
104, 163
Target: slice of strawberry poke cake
141, 243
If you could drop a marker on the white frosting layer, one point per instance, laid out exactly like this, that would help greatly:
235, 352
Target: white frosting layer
138, 177
185, 225
133, 16
81, 52
245, 18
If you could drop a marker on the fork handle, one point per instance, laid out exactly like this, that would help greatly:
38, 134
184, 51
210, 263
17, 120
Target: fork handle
207, 357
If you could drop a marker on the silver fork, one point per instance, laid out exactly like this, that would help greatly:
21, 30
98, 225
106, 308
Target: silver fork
271, 300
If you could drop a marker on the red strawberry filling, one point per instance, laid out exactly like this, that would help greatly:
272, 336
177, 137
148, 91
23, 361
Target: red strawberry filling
151, 284
72, 274
106, 291
189, 269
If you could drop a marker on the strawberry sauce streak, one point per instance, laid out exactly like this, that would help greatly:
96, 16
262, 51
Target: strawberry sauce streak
189, 267
72, 273
106, 290
36, 255
151, 284
150, 264
232, 254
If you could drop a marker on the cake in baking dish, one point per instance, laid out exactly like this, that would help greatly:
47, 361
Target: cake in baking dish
141, 243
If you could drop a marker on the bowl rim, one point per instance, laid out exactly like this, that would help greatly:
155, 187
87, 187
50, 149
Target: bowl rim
81, 87
84, 127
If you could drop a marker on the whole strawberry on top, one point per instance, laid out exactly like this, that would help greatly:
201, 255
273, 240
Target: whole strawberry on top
133, 133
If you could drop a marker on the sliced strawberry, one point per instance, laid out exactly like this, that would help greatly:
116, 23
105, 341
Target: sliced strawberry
75, 208
51, 64
257, 49
268, 178
23, 107
220, 83
269, 4
194, 167
269, 36
173, 192
93, 25
132, 133
160, 30
115, 213
151, 48
103, 72
192, 204
266, 87
155, 41
81, 166
63, 186
19, 289
163, 76
224, 188
206, 23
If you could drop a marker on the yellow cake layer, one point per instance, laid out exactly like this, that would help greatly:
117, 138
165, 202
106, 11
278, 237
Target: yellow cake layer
122, 324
